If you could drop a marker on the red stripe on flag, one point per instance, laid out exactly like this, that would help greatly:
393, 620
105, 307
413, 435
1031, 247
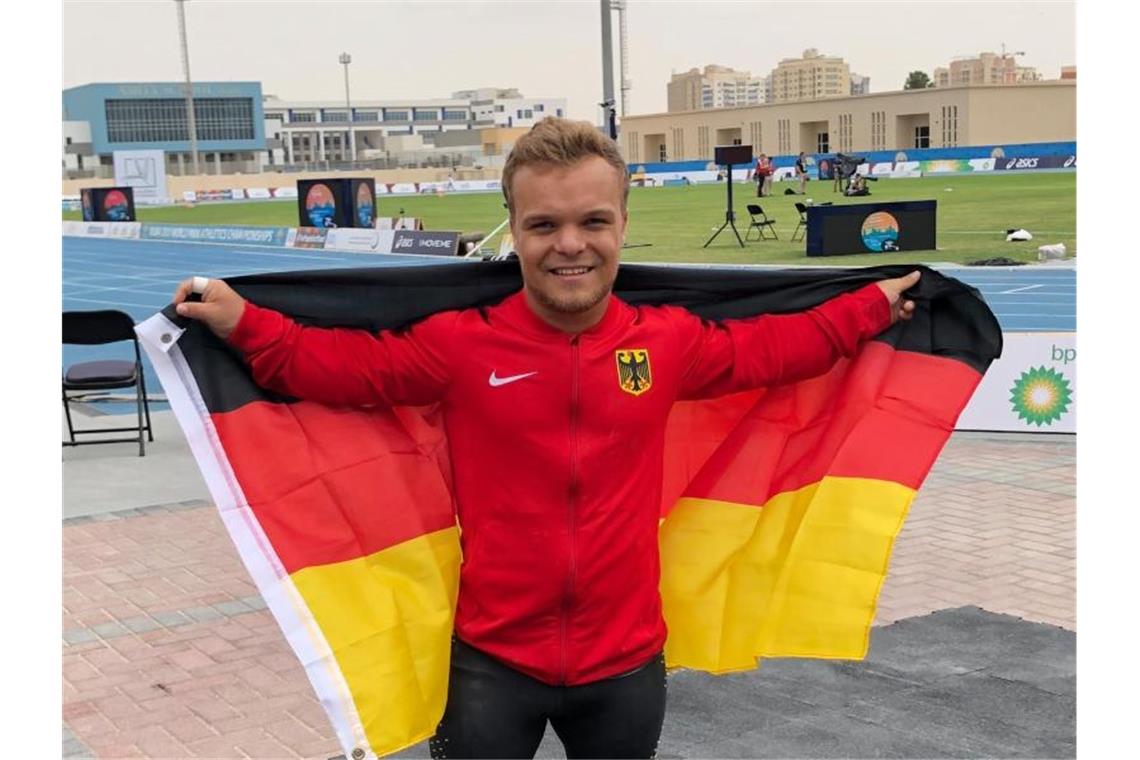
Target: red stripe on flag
329, 485
884, 415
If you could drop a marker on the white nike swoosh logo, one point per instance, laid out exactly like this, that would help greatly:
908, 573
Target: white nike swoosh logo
497, 381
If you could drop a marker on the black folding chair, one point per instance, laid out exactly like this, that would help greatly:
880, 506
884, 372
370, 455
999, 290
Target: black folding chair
760, 223
91, 328
802, 225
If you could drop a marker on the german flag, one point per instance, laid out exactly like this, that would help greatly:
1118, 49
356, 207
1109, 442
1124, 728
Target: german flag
780, 505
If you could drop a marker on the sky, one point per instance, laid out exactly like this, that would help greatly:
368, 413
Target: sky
420, 50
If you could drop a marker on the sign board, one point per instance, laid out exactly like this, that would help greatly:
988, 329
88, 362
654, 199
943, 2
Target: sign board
144, 171
871, 228
1032, 388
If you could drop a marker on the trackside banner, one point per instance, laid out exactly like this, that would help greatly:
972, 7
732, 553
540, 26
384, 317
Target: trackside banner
1036, 162
190, 233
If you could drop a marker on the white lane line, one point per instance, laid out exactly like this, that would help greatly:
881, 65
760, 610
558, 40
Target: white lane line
1018, 290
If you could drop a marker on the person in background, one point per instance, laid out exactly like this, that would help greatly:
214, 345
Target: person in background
763, 176
801, 172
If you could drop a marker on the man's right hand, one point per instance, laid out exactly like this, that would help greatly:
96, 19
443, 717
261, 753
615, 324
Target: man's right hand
220, 308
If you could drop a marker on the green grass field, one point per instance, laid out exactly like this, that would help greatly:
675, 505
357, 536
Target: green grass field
974, 211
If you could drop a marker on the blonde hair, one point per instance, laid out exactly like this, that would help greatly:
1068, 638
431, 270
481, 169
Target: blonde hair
562, 142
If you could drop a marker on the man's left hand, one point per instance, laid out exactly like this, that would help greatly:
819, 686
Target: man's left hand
901, 308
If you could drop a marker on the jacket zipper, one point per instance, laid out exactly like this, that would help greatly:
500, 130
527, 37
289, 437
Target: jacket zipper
572, 499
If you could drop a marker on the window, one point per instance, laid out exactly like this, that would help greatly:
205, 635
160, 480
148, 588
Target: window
757, 136
334, 116
922, 137
426, 115
304, 116
821, 143
366, 116
519, 113
559, 114
498, 109
703, 142
452, 114
528, 114
164, 119
661, 154
395, 115
539, 107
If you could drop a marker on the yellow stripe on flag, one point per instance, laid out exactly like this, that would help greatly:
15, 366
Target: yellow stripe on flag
797, 577
388, 620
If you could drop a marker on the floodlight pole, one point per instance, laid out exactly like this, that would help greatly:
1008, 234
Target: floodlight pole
189, 87
608, 71
346, 59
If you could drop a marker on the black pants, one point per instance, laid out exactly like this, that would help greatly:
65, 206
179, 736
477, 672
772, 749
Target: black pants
496, 711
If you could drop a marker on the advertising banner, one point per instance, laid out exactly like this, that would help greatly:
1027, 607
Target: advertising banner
190, 233
285, 192
144, 171
402, 188
258, 193
982, 164
428, 243
237, 194
1032, 388
399, 223
1036, 162
118, 230
882, 169
357, 240
212, 195
945, 166
189, 196
309, 237
906, 169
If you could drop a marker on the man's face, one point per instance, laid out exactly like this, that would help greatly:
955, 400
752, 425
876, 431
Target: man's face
568, 224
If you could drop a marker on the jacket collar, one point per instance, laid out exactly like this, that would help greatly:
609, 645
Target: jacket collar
516, 312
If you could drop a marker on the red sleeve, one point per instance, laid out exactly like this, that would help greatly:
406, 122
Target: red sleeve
739, 354
346, 367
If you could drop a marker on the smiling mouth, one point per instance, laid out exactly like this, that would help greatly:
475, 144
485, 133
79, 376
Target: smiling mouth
570, 271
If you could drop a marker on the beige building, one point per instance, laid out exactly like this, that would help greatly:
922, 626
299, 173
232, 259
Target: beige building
812, 77
987, 68
897, 121
714, 87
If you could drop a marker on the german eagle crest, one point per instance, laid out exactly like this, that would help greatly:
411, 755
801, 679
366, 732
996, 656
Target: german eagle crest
634, 376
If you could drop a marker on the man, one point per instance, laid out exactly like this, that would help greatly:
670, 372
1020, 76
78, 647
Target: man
858, 186
801, 172
559, 613
763, 176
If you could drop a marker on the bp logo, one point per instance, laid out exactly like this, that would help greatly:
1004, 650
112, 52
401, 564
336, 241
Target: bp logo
880, 232
1040, 396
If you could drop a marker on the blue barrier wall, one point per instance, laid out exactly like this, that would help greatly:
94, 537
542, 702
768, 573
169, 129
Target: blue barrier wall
1021, 150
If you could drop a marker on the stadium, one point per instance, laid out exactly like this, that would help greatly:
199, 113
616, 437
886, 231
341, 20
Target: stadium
186, 635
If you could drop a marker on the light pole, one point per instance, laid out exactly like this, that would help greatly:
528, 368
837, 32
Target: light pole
189, 87
346, 59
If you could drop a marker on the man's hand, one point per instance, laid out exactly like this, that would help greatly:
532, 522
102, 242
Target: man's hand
220, 308
900, 308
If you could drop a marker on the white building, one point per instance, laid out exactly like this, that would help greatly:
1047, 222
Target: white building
318, 130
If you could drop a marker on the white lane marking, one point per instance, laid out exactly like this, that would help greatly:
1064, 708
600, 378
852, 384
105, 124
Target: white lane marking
1018, 290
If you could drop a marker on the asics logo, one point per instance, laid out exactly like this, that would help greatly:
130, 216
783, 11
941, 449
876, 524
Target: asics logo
495, 381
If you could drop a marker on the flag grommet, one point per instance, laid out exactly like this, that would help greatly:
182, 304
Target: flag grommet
357, 753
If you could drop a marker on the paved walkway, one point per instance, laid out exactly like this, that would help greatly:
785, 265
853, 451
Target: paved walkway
169, 652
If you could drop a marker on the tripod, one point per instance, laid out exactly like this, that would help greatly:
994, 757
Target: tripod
729, 215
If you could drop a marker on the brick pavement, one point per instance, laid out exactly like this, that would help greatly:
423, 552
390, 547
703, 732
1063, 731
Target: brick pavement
169, 652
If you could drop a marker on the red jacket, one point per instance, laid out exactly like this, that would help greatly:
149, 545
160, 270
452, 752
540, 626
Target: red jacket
556, 451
